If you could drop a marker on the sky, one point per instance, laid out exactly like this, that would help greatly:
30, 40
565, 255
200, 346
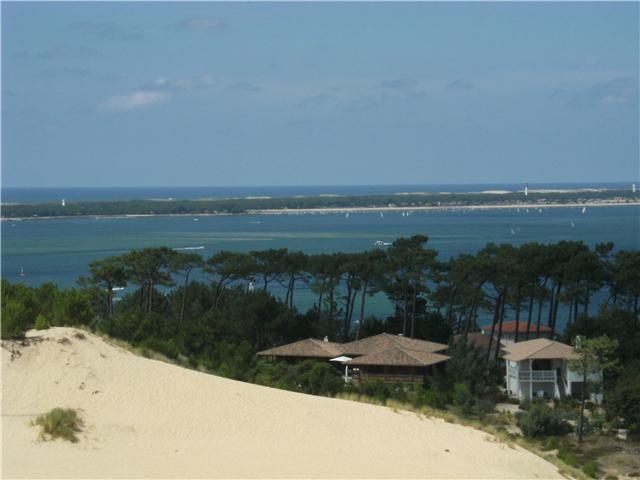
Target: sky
269, 94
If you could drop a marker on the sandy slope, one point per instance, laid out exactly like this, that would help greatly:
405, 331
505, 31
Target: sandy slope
147, 419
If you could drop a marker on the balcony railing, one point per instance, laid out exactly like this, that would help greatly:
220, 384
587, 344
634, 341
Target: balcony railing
538, 375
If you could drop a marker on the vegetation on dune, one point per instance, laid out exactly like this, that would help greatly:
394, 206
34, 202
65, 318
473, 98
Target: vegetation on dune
243, 205
62, 423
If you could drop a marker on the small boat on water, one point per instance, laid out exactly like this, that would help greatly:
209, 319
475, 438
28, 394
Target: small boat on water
380, 243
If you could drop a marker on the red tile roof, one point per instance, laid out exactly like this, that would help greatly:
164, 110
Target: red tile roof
510, 327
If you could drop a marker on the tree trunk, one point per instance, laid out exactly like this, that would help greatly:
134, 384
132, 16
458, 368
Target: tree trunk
555, 311
404, 313
587, 300
413, 311
109, 299
496, 313
584, 393
450, 307
184, 296
497, 354
364, 296
529, 316
517, 314
292, 282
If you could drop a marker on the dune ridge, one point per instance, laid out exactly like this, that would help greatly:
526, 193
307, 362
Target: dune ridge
149, 419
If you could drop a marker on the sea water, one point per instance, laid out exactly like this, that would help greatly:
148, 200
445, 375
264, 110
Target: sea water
59, 250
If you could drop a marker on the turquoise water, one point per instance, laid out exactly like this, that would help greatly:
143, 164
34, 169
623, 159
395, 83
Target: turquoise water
60, 250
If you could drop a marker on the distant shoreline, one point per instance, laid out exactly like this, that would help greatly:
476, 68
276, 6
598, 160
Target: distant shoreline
345, 210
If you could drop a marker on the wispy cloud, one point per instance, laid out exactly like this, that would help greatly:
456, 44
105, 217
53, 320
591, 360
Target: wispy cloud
202, 24
386, 92
133, 101
106, 31
363, 96
175, 84
622, 91
460, 84
158, 91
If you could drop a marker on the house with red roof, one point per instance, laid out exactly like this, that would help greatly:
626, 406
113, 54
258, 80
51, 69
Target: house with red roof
525, 331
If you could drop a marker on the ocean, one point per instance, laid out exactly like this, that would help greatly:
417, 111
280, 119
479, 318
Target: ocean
59, 250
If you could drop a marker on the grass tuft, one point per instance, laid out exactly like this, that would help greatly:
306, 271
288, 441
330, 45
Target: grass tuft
62, 423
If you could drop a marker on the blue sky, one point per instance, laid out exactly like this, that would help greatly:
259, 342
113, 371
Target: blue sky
154, 94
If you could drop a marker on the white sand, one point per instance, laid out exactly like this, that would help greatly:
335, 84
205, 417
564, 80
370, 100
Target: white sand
148, 419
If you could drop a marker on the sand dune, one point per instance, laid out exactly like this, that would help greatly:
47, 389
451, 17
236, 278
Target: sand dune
148, 419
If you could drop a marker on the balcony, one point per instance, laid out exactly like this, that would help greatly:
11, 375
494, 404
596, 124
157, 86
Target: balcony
537, 376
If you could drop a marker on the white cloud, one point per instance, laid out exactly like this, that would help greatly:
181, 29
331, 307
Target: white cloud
133, 101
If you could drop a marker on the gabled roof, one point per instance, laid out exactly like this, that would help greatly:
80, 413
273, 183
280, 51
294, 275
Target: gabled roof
398, 356
385, 341
541, 349
510, 327
309, 348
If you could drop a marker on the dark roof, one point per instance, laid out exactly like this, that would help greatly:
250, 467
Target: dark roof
309, 348
398, 356
510, 327
385, 341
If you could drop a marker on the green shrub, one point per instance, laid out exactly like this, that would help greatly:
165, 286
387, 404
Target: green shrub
552, 443
375, 389
566, 456
463, 398
433, 397
60, 423
167, 348
591, 469
41, 322
318, 378
541, 420
484, 406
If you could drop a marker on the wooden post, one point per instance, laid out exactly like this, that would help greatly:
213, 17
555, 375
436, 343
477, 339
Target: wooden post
530, 380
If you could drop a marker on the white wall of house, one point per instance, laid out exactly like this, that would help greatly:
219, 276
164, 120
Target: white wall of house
551, 378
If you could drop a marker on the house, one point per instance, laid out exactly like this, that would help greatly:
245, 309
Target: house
509, 331
393, 358
540, 368
384, 341
309, 348
396, 364
384, 356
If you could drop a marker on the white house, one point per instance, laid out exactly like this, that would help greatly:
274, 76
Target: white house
540, 368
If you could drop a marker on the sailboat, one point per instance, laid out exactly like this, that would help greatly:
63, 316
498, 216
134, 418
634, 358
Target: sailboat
22, 274
584, 209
